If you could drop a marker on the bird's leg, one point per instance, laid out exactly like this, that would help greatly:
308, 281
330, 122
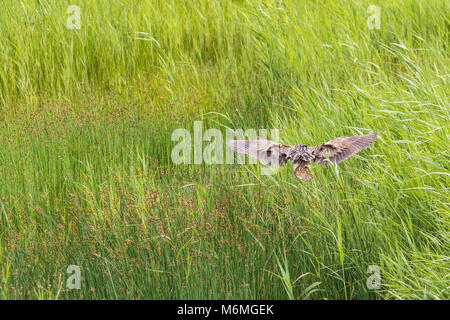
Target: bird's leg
301, 169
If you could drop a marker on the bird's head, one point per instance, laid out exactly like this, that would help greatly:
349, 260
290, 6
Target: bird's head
296, 152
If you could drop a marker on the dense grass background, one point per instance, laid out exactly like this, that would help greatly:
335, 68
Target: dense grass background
86, 177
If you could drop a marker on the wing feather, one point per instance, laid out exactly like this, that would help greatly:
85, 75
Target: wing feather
341, 148
266, 151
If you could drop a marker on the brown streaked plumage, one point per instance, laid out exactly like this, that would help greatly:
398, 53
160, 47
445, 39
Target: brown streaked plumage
273, 153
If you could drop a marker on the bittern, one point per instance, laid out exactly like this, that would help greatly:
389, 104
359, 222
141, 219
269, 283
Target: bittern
273, 153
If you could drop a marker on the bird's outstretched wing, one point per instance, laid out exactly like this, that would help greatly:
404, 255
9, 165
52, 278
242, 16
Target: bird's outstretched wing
266, 151
339, 149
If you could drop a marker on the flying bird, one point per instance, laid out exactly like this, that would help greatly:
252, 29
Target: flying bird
275, 154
